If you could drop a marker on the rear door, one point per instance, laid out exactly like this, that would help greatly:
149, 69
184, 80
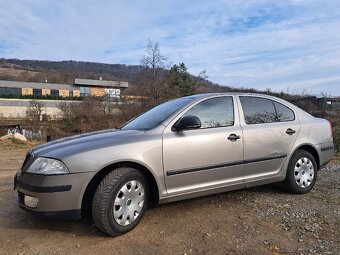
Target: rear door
204, 159
269, 129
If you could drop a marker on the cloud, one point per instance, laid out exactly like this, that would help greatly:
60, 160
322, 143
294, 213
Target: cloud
261, 44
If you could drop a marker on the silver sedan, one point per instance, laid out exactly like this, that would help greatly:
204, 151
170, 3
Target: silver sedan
184, 148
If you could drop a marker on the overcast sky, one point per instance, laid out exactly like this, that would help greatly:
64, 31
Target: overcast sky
290, 45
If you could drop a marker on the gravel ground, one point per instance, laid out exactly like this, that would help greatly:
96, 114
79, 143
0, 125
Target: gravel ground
261, 220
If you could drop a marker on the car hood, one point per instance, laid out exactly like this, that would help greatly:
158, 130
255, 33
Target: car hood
84, 142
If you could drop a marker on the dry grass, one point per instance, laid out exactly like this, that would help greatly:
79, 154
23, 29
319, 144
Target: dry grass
336, 157
14, 144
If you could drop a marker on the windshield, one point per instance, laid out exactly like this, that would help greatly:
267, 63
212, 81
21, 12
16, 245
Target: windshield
157, 115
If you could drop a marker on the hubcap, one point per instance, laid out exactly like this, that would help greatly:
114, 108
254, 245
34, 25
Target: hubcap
128, 203
304, 172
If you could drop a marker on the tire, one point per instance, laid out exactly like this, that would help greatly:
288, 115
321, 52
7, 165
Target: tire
116, 209
301, 173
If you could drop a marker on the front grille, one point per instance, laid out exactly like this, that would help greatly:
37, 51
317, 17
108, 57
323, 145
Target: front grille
21, 198
27, 161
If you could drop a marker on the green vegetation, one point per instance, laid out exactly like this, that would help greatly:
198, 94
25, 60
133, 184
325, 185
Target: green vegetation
46, 97
181, 80
336, 138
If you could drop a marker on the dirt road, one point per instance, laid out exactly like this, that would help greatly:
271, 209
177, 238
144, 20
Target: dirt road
262, 220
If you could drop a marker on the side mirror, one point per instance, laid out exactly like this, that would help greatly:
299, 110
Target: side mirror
186, 123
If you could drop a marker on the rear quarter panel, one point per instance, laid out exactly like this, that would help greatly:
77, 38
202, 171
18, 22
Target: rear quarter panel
317, 133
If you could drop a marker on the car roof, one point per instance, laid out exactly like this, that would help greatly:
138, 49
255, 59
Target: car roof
208, 95
205, 95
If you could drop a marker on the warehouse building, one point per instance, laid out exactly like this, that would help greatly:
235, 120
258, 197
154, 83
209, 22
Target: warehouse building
81, 87
100, 87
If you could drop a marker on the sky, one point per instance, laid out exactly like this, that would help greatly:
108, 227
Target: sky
283, 45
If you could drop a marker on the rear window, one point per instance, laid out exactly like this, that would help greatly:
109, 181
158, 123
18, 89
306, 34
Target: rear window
283, 112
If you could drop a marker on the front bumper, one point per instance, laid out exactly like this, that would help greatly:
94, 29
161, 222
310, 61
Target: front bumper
58, 196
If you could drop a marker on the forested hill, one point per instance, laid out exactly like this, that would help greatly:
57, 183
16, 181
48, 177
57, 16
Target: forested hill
67, 71
64, 71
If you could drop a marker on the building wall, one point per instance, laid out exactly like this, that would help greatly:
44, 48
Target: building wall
46, 92
64, 92
97, 91
27, 91
76, 93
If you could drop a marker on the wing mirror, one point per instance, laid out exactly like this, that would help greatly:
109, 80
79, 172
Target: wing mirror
186, 123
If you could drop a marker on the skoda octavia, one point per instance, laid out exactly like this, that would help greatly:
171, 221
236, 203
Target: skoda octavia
187, 147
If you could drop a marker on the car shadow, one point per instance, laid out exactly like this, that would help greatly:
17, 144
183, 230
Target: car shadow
251, 192
20, 219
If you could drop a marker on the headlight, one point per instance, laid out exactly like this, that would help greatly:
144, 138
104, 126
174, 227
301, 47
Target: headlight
47, 166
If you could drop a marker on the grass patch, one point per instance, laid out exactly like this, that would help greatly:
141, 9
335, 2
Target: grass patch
336, 157
14, 144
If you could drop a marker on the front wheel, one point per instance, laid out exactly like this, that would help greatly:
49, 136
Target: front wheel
120, 201
301, 172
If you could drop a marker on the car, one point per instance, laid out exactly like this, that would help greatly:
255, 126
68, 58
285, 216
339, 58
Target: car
184, 148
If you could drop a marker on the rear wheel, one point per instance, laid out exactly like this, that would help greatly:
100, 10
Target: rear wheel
301, 172
120, 201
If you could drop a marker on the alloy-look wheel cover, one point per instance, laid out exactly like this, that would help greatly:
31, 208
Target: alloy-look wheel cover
128, 203
304, 172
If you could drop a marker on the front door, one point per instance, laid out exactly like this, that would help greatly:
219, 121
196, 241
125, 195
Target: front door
209, 157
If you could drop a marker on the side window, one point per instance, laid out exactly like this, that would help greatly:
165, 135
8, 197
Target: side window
283, 112
258, 110
214, 112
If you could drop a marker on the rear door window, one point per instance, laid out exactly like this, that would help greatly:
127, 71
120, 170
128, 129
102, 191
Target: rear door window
258, 110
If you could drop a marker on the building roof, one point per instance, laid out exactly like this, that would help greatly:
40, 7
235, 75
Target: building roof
333, 99
101, 83
36, 85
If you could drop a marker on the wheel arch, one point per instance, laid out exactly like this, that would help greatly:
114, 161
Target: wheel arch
312, 150
98, 177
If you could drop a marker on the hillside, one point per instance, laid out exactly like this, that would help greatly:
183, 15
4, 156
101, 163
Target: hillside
64, 71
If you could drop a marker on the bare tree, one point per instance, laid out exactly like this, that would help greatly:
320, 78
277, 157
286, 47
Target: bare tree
151, 81
154, 59
34, 111
109, 109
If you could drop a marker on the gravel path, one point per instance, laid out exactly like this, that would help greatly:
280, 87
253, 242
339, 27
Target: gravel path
261, 220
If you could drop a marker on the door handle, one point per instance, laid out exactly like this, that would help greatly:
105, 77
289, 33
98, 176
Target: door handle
290, 131
233, 137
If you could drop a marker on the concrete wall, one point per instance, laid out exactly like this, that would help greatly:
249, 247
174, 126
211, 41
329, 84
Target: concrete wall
16, 108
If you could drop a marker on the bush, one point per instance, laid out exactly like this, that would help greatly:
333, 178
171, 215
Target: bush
336, 138
46, 97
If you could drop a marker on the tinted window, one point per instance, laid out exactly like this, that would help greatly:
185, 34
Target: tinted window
84, 91
258, 110
214, 112
157, 115
37, 92
54, 92
10, 91
283, 112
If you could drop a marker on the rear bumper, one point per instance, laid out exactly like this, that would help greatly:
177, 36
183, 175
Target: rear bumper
326, 153
57, 196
